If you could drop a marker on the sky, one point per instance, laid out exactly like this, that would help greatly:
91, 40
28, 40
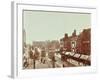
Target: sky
43, 25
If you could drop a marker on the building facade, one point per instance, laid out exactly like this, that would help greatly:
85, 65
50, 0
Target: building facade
77, 43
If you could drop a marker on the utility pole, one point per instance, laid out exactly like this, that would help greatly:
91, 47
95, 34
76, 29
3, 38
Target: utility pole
53, 61
34, 63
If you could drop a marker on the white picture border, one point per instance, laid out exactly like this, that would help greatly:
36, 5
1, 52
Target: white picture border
17, 70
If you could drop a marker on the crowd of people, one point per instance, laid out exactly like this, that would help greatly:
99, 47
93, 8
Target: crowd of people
33, 54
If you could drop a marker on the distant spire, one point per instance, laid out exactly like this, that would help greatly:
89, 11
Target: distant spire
24, 35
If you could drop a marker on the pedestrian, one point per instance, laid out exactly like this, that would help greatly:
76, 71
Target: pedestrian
43, 55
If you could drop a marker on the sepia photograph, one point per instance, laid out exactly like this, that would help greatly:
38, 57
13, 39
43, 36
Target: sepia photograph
54, 39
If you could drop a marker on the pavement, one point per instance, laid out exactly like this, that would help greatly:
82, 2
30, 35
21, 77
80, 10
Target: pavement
39, 64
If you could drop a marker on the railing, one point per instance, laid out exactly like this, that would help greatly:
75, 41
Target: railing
77, 59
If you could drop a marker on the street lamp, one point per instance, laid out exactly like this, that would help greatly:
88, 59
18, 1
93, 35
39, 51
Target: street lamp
32, 56
53, 61
33, 61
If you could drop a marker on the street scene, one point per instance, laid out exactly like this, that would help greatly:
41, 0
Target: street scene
39, 56
51, 44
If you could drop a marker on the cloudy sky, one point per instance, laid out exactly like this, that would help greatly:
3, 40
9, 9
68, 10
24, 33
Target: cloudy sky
42, 25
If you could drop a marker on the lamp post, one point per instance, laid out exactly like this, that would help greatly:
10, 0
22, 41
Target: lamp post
32, 56
62, 55
34, 62
53, 61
